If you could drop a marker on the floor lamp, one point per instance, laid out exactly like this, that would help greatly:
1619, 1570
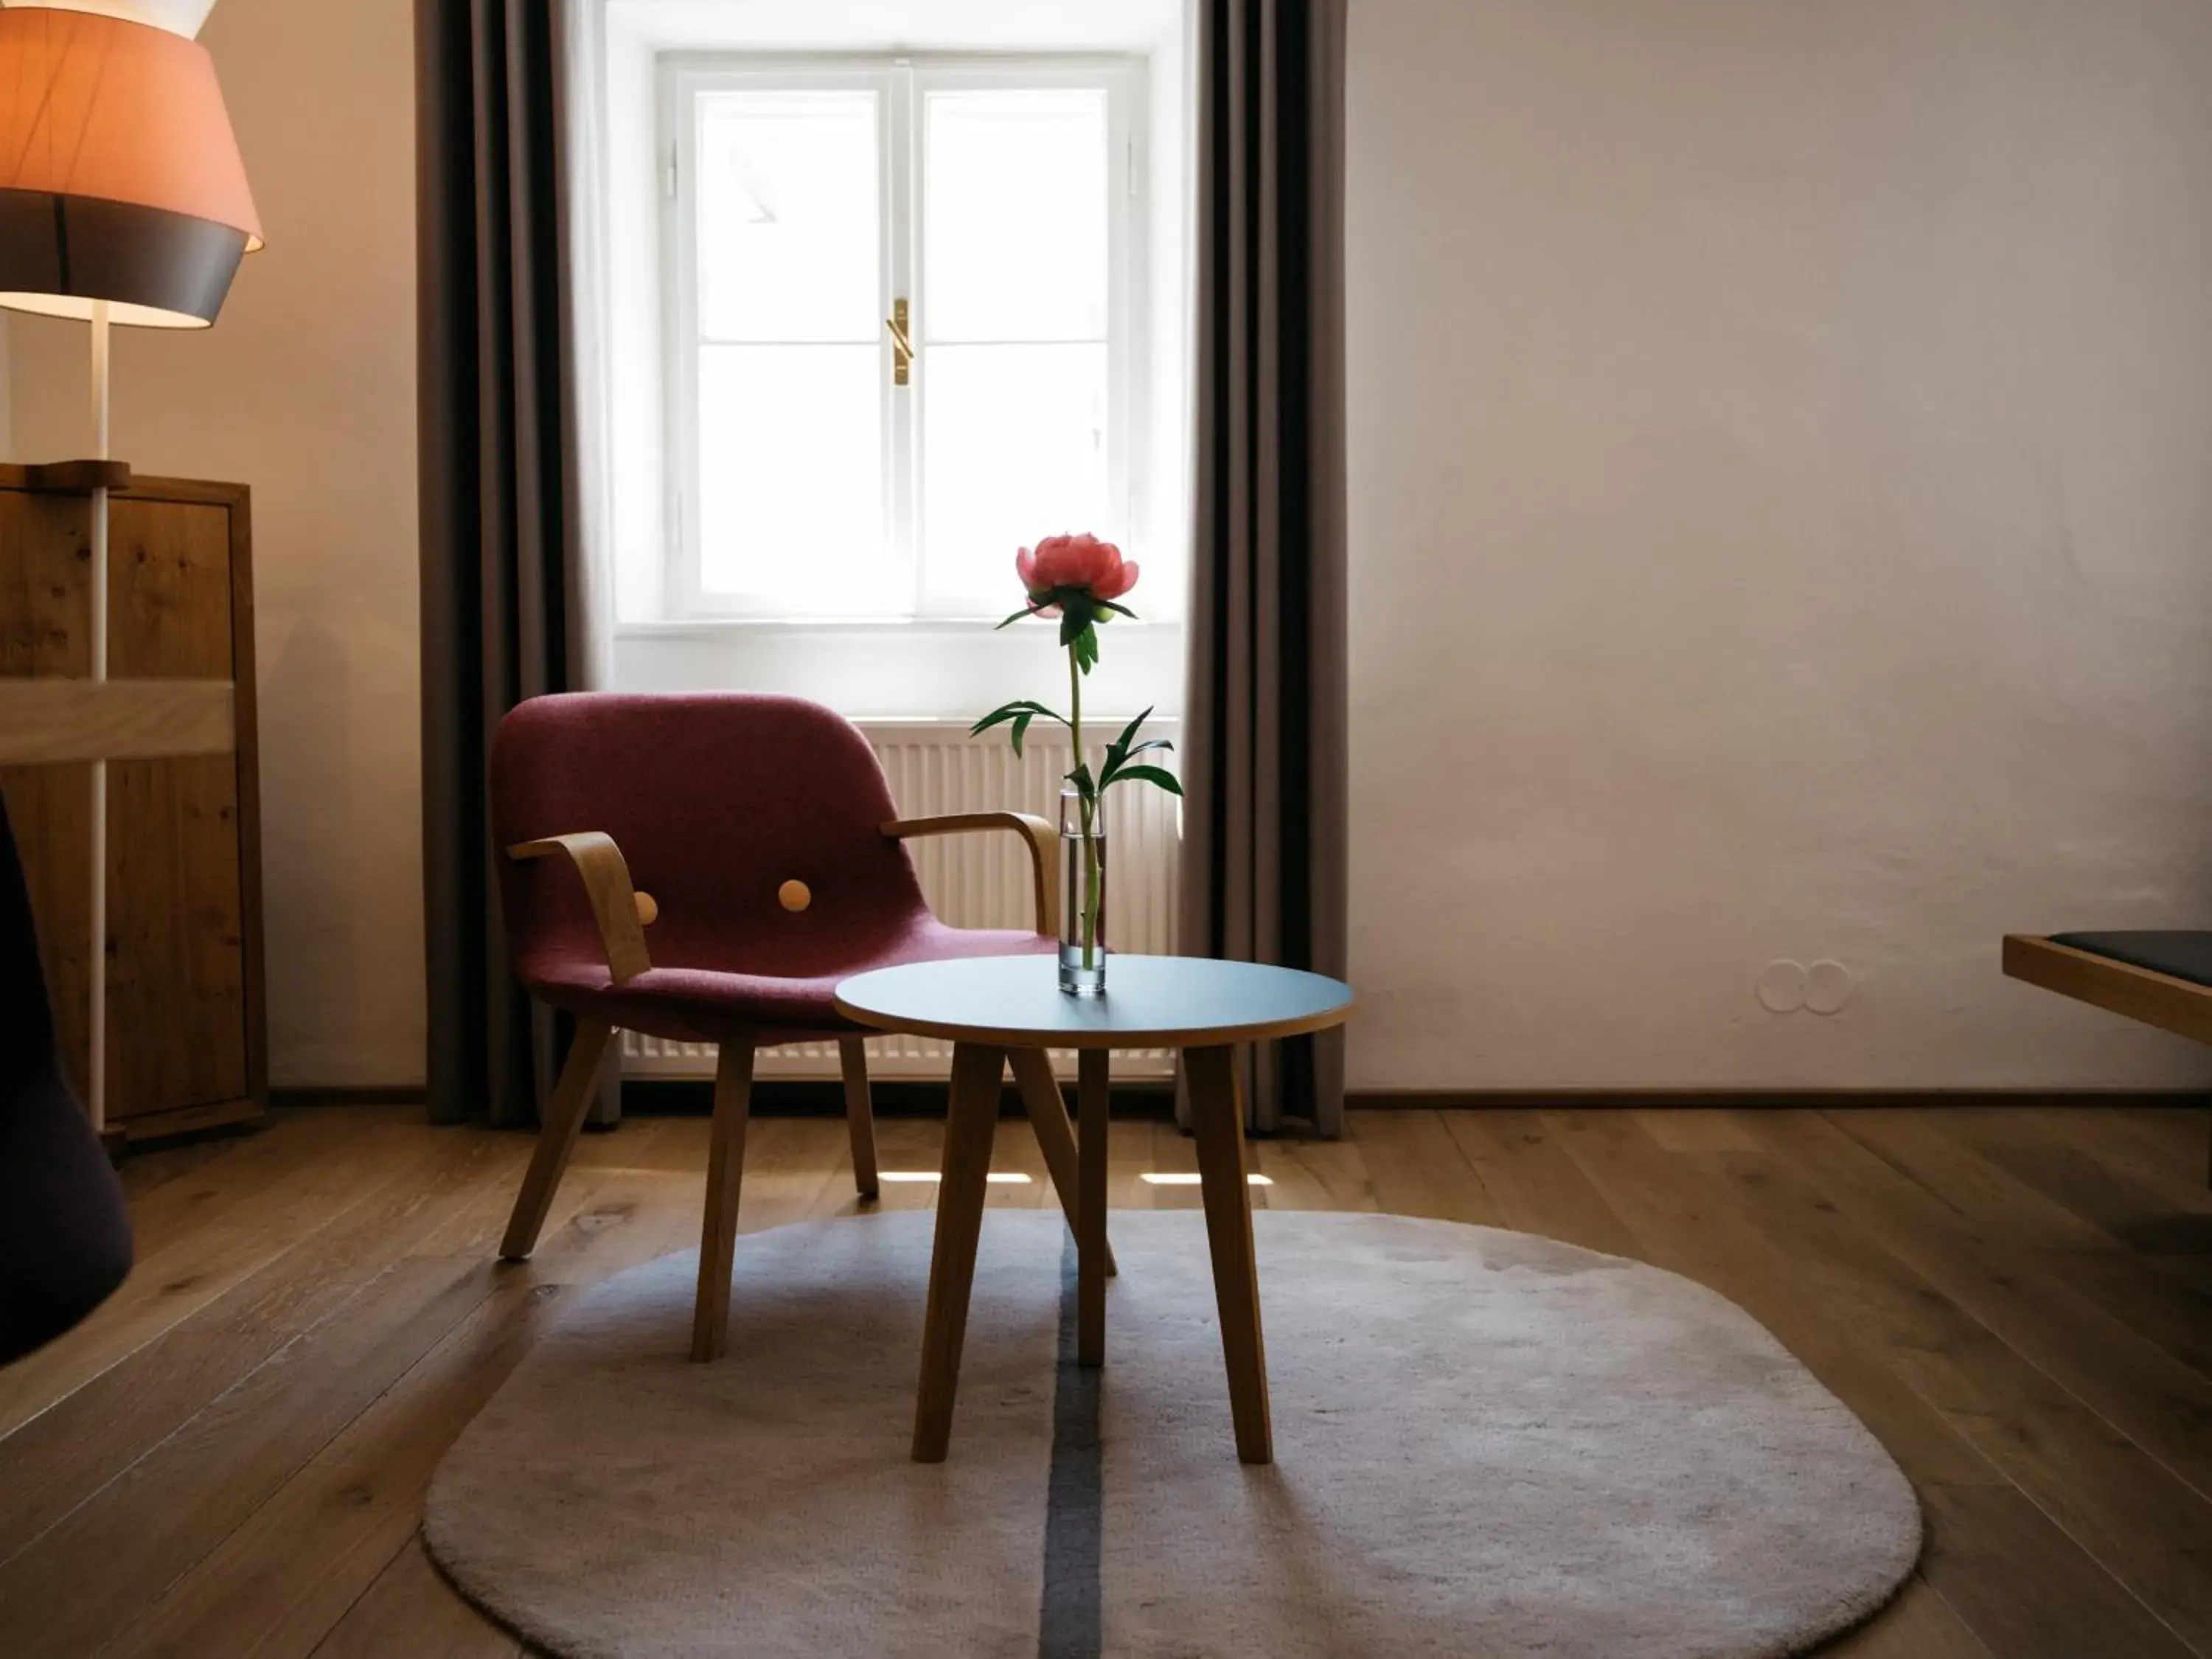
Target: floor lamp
123, 201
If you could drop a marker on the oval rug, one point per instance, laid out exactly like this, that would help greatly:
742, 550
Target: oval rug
1486, 1443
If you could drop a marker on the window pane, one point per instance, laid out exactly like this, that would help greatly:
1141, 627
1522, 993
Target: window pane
1014, 206
1013, 450
788, 216
791, 474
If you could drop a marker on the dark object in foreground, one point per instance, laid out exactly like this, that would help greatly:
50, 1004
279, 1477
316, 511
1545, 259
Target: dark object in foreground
64, 1228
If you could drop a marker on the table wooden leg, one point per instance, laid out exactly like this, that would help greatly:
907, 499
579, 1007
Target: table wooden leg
969, 1121
1216, 1115
1048, 1110
1093, 1261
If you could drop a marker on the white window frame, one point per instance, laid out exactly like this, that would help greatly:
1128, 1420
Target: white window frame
901, 81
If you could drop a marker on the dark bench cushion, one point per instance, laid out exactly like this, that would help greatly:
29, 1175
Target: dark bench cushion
2184, 955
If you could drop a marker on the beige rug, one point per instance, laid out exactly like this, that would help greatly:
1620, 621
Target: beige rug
1486, 1443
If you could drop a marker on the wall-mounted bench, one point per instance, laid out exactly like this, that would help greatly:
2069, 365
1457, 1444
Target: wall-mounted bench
2161, 978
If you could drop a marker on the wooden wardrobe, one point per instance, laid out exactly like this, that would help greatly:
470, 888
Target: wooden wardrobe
187, 1043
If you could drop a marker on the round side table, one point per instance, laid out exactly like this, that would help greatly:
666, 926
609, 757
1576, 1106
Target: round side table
997, 1008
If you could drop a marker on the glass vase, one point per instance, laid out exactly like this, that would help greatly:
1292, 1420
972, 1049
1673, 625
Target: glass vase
1082, 896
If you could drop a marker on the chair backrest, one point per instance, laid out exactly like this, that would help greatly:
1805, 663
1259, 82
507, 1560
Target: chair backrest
717, 800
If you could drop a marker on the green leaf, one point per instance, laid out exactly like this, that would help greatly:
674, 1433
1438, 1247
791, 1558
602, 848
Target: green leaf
1118, 609
1086, 648
1031, 610
1129, 732
1080, 777
1118, 751
1021, 729
1117, 759
1152, 774
1007, 712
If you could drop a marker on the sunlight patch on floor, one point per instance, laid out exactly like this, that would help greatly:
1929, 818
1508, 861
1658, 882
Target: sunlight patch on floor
997, 1177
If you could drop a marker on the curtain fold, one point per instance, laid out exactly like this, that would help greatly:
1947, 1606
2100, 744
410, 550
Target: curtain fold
502, 569
1265, 761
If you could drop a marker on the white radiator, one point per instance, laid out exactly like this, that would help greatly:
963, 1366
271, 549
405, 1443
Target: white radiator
982, 880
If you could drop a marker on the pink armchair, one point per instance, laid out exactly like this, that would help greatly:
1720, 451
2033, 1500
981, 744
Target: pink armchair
755, 835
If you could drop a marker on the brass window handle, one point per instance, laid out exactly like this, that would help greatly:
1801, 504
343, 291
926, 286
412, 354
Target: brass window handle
902, 342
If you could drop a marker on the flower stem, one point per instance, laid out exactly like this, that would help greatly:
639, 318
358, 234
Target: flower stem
1087, 805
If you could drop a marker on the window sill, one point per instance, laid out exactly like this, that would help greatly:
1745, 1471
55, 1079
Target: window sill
710, 627
925, 669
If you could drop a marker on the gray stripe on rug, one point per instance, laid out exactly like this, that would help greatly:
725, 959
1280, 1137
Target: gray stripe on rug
1068, 1619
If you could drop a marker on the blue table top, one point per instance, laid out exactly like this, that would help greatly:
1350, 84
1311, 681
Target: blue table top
1150, 1002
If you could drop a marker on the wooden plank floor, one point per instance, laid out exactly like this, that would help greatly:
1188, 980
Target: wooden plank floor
230, 1458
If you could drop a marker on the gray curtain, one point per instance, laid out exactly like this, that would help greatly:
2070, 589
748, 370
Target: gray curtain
1264, 753
500, 562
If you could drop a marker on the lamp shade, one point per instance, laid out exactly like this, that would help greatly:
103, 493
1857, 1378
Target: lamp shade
178, 16
119, 178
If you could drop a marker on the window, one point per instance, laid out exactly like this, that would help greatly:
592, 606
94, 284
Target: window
822, 217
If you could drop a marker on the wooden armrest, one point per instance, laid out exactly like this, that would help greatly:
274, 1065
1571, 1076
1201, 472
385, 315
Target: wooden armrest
621, 910
1044, 843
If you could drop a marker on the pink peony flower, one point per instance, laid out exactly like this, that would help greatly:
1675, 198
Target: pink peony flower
1075, 562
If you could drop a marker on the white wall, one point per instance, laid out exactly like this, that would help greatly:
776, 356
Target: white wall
304, 389
1781, 528
1780, 524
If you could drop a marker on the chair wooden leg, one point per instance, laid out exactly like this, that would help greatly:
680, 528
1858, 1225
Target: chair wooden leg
970, 1123
560, 1120
1217, 1117
859, 1113
1048, 1110
726, 1170
1092, 1255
